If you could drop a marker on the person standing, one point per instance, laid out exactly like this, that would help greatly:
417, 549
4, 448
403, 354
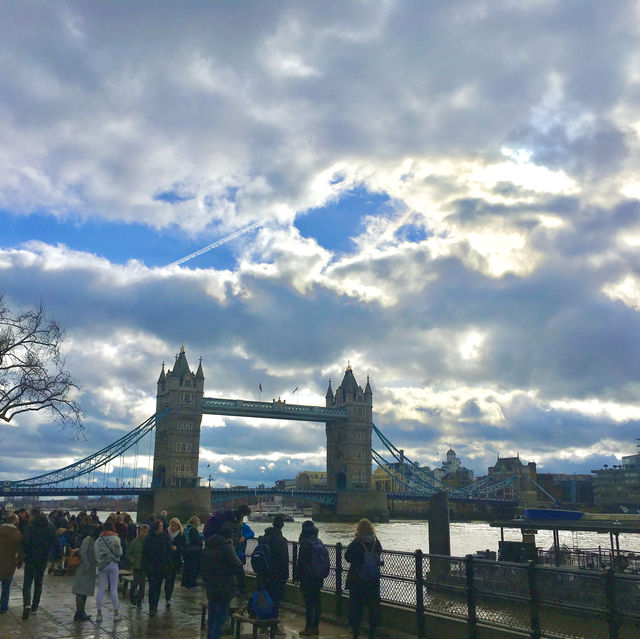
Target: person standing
84, 583
279, 574
192, 553
11, 555
134, 561
38, 537
307, 572
221, 570
155, 562
176, 541
108, 552
363, 578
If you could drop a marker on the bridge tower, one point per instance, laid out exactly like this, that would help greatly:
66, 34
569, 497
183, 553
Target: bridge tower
349, 443
349, 454
175, 480
177, 445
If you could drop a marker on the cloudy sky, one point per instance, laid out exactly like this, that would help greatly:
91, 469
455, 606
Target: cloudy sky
444, 194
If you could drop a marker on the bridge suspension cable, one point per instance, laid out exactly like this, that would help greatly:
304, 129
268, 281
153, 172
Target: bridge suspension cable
421, 481
94, 461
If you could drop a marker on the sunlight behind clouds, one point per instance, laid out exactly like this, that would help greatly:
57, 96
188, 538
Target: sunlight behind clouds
445, 194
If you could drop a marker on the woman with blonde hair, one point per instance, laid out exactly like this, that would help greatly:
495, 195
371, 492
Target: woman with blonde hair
176, 543
363, 578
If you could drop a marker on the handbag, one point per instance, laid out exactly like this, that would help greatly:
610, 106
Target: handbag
74, 559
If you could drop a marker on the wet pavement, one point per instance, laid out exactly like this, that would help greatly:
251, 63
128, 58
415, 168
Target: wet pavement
54, 618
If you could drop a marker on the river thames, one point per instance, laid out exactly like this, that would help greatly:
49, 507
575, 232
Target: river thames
466, 537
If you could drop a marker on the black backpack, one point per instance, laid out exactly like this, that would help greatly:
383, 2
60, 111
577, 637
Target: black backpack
320, 564
261, 559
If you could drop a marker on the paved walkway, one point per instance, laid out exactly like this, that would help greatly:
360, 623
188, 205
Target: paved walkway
54, 618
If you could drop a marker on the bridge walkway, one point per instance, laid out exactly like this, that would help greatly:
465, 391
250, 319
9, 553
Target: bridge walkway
54, 618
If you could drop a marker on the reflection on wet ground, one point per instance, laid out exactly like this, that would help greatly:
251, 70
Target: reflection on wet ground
54, 618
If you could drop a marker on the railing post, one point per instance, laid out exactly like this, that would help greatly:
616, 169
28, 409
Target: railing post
419, 594
612, 612
472, 617
534, 604
338, 579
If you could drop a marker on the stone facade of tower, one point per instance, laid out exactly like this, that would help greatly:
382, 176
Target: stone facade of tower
349, 442
177, 444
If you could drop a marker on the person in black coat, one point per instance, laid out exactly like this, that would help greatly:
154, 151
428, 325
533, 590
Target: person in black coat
309, 583
362, 593
38, 537
155, 561
275, 581
221, 570
192, 553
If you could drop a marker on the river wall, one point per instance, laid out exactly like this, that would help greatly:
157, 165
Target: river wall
458, 511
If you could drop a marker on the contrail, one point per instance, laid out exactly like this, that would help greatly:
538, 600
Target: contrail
223, 240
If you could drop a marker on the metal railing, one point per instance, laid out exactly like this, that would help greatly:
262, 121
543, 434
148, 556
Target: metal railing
591, 558
541, 601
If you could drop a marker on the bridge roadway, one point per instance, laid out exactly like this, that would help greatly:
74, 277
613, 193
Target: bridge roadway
277, 409
224, 494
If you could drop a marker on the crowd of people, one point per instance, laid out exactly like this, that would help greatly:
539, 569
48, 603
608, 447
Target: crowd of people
160, 549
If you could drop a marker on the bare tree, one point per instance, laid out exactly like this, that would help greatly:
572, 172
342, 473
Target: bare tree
32, 375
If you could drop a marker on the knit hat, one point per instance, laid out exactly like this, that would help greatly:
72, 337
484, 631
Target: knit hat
278, 521
307, 524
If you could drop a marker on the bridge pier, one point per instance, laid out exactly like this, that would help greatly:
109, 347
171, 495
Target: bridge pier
353, 505
178, 502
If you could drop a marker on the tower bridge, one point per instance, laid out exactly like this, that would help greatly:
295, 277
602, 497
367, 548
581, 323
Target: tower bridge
174, 482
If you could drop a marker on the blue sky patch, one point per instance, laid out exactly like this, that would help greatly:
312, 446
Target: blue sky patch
118, 242
333, 225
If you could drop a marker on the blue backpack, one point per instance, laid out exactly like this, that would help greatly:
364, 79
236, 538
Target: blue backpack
370, 570
320, 564
261, 606
261, 560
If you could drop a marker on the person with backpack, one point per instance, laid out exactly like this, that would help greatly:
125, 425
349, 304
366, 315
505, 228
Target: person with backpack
363, 578
221, 570
274, 579
192, 552
312, 568
108, 552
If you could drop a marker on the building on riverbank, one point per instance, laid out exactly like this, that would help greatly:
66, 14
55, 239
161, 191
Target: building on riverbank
618, 485
522, 488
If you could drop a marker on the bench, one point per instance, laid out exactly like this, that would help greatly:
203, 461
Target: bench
256, 624
204, 609
125, 578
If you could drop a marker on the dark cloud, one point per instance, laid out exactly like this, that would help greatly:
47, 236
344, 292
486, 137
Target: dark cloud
207, 118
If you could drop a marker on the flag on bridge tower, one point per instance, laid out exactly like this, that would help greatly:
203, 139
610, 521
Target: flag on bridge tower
260, 387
